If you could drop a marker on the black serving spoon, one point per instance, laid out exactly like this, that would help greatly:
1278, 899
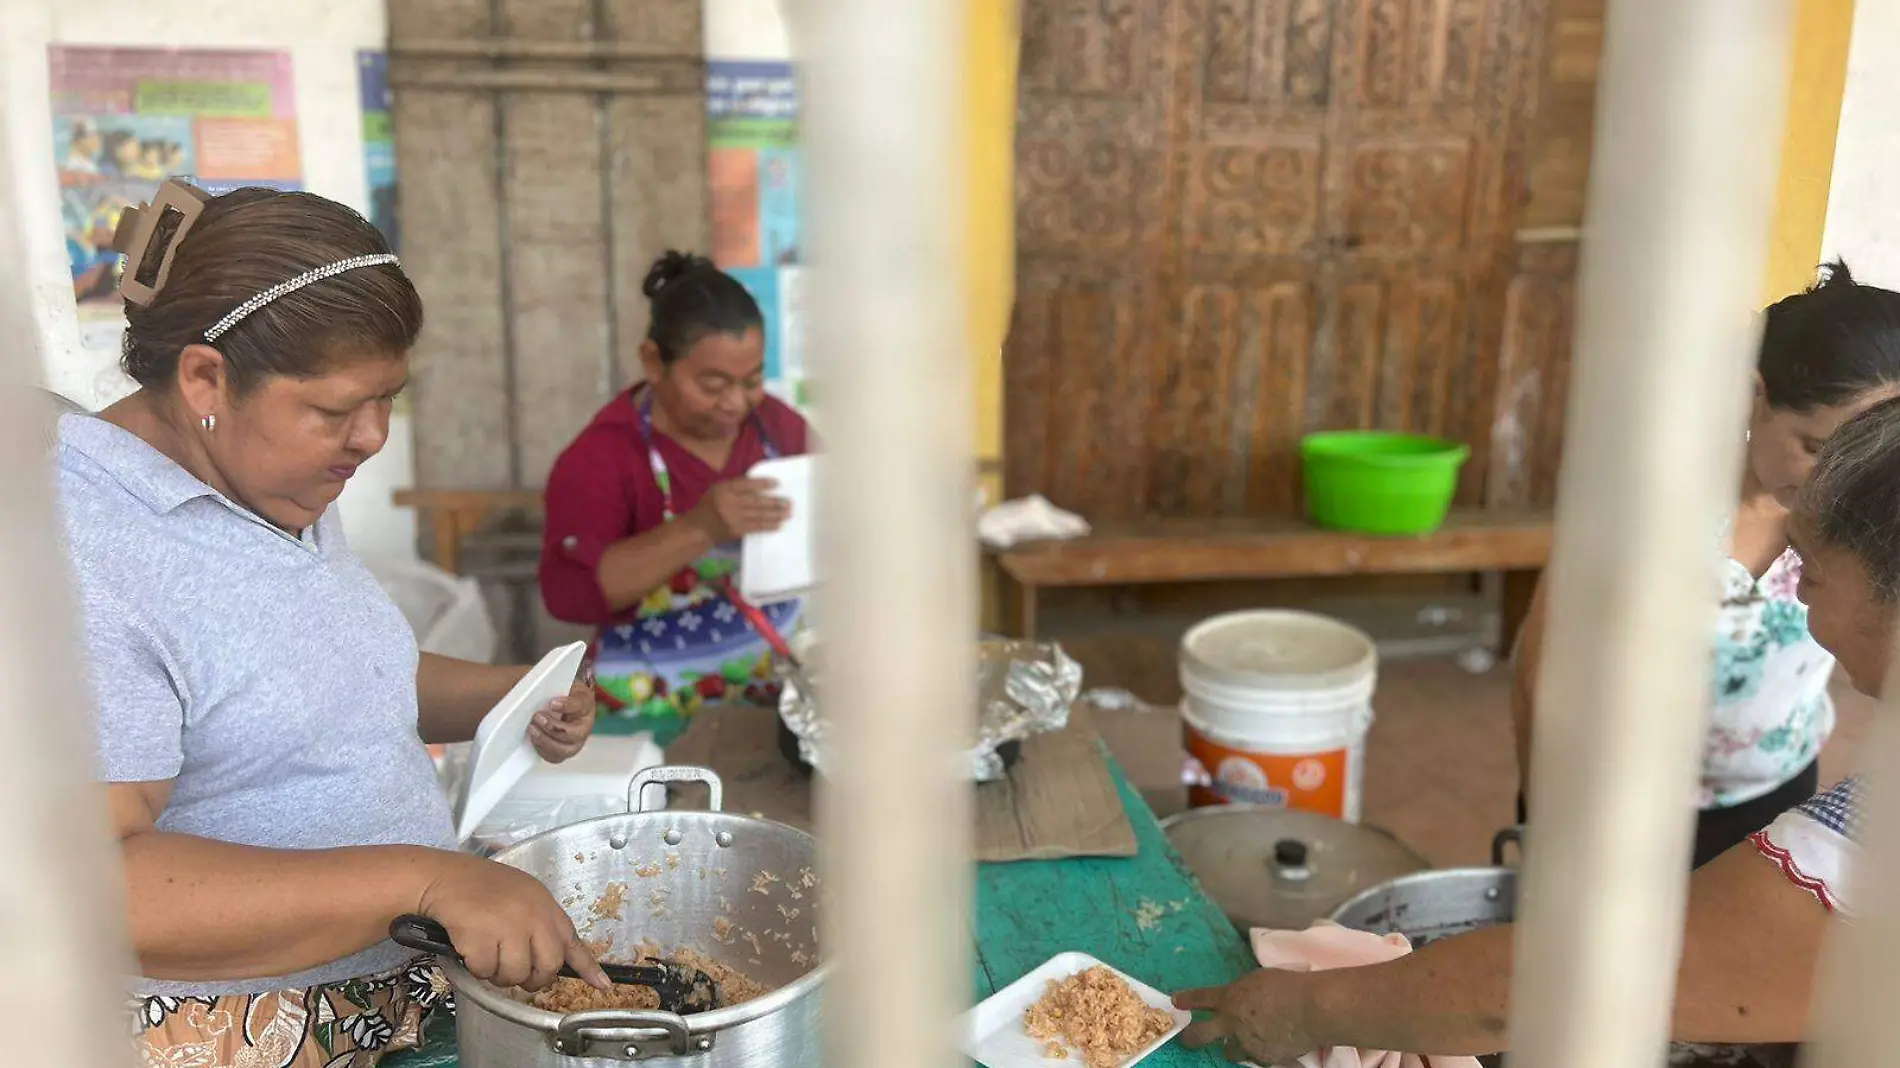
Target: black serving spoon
682, 990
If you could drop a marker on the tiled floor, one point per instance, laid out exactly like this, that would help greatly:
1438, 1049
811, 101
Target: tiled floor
1440, 770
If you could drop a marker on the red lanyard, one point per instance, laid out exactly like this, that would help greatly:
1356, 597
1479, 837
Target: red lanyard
661, 473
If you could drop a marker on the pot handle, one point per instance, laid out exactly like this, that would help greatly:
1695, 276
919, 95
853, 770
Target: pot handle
627, 1035
637, 789
1507, 837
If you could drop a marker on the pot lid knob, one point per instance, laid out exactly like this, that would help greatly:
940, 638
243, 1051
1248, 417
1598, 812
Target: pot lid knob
1289, 853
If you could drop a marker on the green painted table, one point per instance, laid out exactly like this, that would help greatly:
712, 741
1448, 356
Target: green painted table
1144, 915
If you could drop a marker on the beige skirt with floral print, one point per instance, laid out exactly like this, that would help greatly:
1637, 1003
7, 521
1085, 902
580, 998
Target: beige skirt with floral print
339, 1025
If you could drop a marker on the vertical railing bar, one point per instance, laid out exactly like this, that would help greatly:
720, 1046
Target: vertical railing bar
898, 610
63, 949
1678, 217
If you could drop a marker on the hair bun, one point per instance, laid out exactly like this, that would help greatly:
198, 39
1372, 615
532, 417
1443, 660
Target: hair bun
1834, 274
671, 265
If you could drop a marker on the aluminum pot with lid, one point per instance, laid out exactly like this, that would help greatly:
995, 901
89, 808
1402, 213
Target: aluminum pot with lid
1430, 905
742, 891
1283, 868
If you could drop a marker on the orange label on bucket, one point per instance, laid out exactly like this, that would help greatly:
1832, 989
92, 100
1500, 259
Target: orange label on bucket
1312, 782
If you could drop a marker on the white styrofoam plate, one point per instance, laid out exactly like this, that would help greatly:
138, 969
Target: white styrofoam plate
502, 752
782, 563
992, 1033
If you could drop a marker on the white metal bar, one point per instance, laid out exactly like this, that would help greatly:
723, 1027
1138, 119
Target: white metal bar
899, 608
63, 951
1682, 182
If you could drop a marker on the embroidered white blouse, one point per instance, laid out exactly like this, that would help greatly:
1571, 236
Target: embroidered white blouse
1771, 713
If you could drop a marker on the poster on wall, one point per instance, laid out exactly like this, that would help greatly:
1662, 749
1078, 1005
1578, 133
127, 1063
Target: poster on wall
379, 155
752, 126
125, 119
379, 143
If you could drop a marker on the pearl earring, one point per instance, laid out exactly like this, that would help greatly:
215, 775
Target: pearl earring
209, 422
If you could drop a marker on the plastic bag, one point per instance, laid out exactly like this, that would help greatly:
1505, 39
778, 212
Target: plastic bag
447, 611
516, 819
52, 407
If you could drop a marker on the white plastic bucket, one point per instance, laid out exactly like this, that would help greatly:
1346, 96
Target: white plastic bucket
1277, 708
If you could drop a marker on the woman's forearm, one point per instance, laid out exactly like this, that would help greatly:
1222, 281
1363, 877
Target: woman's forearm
1449, 998
1751, 944
453, 695
632, 568
203, 910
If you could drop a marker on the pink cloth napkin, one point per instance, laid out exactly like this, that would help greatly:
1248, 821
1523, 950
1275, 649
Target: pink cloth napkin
1327, 945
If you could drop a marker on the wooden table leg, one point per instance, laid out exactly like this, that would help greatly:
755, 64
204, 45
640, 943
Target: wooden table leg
1016, 603
1026, 612
1519, 588
447, 529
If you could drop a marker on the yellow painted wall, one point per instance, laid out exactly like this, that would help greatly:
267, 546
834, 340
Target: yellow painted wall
1817, 79
989, 144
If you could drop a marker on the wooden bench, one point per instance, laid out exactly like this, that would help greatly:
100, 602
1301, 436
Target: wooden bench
1212, 550
454, 514
1155, 551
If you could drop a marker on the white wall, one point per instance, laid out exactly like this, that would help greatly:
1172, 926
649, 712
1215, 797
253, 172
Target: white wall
323, 40
1863, 212
747, 29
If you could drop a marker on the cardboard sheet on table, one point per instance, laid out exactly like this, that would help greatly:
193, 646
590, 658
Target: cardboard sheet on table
1059, 799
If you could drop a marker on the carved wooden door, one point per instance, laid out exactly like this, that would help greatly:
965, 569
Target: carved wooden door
1244, 220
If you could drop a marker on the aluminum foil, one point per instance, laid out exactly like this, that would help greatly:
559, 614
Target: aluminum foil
1023, 688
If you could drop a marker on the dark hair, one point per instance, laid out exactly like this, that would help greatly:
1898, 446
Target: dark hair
1853, 495
1830, 343
692, 298
112, 139
247, 241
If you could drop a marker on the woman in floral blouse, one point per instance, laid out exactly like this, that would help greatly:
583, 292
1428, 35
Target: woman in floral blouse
1826, 355
1758, 915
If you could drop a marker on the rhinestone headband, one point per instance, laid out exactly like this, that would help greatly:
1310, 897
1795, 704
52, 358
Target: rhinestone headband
316, 274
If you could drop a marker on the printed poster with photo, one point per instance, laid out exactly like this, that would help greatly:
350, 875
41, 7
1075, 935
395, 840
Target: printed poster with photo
125, 119
379, 155
379, 143
752, 125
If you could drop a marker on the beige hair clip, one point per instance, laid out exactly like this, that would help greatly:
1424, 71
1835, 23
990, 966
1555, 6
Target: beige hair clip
148, 236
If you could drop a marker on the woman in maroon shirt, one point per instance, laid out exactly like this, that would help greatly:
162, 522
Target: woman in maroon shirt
646, 508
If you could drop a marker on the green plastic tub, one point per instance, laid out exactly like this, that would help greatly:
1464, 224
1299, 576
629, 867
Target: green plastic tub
1374, 482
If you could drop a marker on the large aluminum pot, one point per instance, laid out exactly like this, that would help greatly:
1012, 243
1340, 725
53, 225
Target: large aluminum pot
1430, 905
682, 878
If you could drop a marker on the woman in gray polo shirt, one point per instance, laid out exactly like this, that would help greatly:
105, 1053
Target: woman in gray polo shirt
262, 707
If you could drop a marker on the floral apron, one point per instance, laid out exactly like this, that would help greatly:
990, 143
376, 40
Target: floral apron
687, 644
351, 1024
